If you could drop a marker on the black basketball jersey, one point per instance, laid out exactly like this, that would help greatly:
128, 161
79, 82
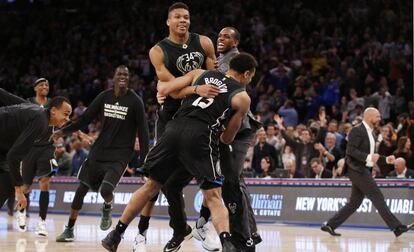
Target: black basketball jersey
181, 59
211, 111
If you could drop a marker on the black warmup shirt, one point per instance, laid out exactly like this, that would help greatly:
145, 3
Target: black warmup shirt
44, 147
21, 126
121, 117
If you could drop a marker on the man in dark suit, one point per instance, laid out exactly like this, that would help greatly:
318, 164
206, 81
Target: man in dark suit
400, 170
360, 158
263, 149
318, 171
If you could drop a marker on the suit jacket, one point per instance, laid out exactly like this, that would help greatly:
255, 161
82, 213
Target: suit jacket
298, 149
325, 174
408, 174
358, 149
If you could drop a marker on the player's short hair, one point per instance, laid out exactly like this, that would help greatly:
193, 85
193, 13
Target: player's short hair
236, 32
121, 67
178, 5
57, 102
243, 62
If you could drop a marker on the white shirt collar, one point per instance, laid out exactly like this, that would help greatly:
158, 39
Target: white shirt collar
403, 172
369, 129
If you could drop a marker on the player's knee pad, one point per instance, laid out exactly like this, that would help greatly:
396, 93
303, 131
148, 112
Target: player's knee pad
107, 191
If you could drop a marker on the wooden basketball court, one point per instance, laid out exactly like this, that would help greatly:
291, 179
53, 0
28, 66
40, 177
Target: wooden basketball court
275, 237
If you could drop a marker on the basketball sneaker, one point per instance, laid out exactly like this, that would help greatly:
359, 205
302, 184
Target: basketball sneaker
112, 240
21, 220
41, 228
66, 236
106, 218
175, 243
204, 235
139, 243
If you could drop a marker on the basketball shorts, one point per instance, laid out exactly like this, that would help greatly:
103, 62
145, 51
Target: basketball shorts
93, 173
191, 143
38, 163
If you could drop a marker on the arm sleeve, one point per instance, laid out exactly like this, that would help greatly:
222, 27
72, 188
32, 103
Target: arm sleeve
7, 99
289, 141
353, 147
142, 131
90, 113
22, 146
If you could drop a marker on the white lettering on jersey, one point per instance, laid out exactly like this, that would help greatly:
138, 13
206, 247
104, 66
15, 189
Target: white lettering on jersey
115, 111
214, 81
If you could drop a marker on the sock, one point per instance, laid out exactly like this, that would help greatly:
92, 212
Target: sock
204, 216
107, 205
224, 236
43, 204
143, 224
121, 227
71, 223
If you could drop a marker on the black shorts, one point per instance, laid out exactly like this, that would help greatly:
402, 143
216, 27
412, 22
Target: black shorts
38, 163
191, 143
163, 117
93, 173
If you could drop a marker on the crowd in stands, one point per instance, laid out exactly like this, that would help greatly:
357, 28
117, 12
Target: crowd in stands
321, 63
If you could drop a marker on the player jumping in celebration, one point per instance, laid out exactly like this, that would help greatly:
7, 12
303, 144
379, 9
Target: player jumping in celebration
174, 56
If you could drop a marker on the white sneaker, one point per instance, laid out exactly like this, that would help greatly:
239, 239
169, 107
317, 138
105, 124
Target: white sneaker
139, 243
41, 228
21, 220
204, 235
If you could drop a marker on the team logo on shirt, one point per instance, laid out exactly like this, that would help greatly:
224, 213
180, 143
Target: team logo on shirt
115, 111
190, 61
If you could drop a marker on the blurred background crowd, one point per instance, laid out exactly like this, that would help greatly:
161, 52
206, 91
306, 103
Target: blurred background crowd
320, 64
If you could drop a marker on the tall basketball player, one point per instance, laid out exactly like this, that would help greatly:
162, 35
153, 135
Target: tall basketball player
174, 56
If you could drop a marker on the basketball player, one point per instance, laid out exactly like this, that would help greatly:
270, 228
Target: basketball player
39, 162
172, 57
235, 195
192, 139
22, 125
122, 115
